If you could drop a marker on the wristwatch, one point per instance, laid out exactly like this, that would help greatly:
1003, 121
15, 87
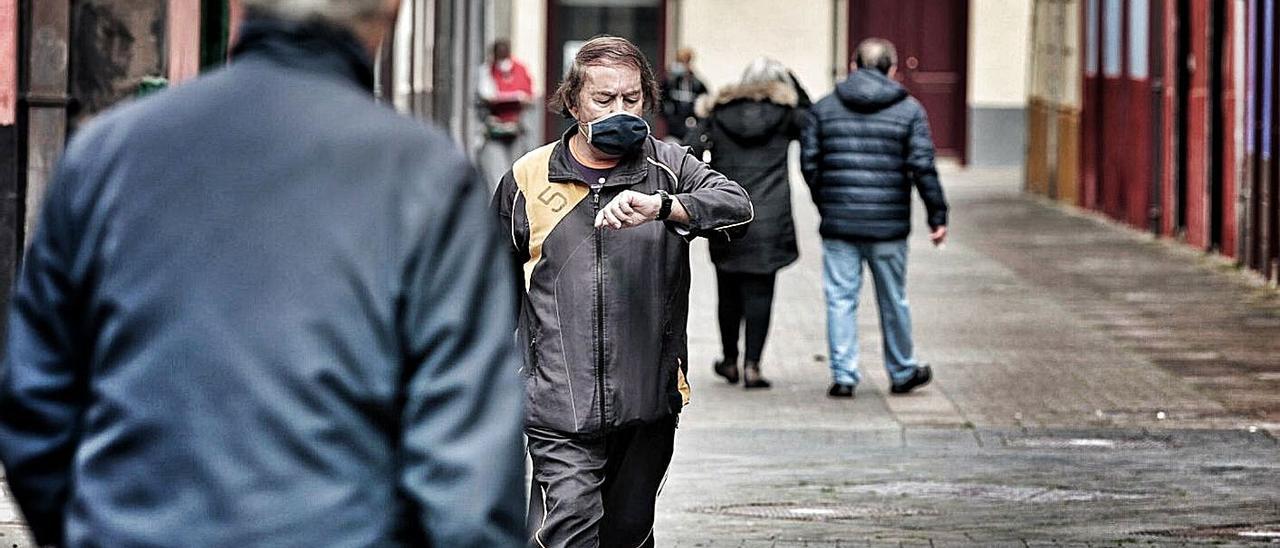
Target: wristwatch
665, 210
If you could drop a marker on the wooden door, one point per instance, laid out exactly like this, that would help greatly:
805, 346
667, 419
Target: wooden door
932, 42
1193, 206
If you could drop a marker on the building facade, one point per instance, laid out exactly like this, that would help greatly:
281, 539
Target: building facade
966, 60
64, 61
1158, 113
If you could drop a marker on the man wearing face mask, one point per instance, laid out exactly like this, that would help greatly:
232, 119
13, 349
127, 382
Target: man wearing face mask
600, 223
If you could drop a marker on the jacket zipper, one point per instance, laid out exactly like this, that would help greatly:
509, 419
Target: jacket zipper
595, 207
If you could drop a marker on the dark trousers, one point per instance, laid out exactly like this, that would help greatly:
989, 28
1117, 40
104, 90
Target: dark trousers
600, 491
746, 297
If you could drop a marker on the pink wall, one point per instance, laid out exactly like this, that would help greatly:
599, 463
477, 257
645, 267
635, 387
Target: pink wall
183, 40
8, 61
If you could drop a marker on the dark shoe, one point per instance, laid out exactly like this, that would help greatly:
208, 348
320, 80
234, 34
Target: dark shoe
728, 370
841, 391
920, 377
751, 376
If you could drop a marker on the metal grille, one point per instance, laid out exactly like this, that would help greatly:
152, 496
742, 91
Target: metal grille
1239, 532
812, 512
999, 493
1048, 442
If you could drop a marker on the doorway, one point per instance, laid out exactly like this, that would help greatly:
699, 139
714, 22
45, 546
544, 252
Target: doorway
1219, 168
572, 22
932, 40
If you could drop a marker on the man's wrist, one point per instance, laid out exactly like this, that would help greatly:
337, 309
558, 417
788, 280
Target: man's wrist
665, 202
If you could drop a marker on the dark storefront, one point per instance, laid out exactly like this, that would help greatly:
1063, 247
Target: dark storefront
571, 22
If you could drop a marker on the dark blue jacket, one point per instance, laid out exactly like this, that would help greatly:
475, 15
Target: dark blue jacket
261, 309
862, 149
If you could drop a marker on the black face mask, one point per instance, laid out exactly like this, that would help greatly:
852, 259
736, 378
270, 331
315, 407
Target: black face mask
617, 134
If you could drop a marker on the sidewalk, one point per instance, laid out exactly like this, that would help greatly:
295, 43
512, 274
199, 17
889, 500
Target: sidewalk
1091, 386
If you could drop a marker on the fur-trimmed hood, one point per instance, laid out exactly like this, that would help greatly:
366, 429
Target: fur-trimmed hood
752, 113
777, 93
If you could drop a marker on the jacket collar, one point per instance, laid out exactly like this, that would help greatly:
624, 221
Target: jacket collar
631, 170
310, 46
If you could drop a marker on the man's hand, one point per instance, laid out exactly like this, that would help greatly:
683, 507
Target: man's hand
629, 209
938, 236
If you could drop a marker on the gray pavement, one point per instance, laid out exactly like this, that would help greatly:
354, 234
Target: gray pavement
1092, 387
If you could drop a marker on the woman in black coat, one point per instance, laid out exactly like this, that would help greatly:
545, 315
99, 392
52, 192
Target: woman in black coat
748, 130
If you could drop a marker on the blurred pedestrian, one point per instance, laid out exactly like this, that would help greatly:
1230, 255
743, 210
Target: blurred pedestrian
601, 222
748, 130
505, 91
680, 94
863, 148
261, 309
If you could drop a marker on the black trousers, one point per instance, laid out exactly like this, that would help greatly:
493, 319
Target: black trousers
597, 492
746, 297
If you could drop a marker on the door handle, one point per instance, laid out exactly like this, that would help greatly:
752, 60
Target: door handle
912, 62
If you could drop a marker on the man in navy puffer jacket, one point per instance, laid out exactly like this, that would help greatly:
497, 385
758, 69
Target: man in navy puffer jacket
862, 150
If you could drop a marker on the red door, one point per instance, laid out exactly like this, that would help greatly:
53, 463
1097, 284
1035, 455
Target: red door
1119, 111
932, 42
1196, 105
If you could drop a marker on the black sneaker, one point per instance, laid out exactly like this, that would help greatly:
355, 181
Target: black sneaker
841, 391
920, 377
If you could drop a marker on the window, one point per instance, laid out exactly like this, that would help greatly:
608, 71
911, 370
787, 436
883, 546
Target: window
1268, 58
1139, 38
1112, 17
1091, 38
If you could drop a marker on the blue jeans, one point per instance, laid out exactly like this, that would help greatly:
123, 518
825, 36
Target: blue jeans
842, 281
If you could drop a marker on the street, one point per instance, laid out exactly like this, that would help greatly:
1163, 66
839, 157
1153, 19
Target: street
1092, 387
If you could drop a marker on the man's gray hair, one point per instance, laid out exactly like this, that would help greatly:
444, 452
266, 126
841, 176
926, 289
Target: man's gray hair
340, 12
876, 53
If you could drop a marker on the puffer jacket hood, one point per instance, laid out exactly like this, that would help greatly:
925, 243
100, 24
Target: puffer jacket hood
753, 112
870, 91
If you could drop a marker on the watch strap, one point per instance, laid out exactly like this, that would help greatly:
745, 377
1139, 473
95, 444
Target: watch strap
665, 210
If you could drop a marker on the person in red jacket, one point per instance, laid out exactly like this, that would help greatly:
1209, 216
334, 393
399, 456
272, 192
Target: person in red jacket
505, 91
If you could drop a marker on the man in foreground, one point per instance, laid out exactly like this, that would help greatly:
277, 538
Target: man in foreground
261, 309
606, 298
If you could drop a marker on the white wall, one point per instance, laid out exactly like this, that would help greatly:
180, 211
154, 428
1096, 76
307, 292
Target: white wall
999, 31
727, 34
529, 39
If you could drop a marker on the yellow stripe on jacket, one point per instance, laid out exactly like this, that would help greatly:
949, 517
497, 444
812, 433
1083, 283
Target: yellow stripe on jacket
545, 203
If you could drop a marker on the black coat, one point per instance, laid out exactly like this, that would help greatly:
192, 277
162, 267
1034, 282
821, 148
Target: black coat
748, 131
863, 148
261, 309
679, 95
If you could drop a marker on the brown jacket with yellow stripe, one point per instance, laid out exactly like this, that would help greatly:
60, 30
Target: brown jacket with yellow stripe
604, 311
